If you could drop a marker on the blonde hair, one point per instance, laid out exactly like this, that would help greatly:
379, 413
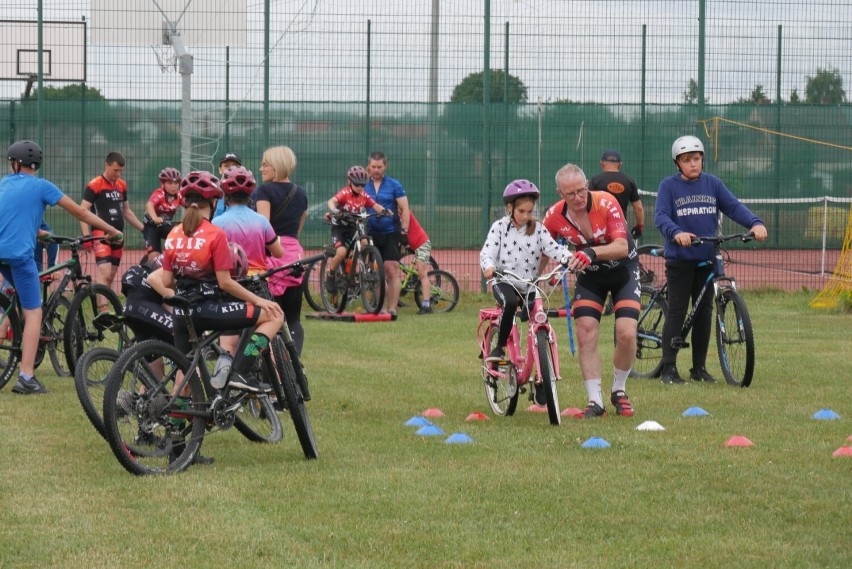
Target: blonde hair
282, 159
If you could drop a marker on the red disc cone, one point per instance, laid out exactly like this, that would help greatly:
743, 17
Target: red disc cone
571, 412
476, 416
432, 412
537, 408
843, 451
738, 441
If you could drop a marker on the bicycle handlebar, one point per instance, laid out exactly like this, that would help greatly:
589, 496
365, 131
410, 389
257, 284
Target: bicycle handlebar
719, 239
75, 242
294, 266
505, 276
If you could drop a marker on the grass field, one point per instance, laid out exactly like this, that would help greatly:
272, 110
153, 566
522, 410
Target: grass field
525, 494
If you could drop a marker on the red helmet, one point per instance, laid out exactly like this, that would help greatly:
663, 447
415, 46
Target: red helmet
202, 183
237, 179
518, 189
170, 175
239, 261
357, 175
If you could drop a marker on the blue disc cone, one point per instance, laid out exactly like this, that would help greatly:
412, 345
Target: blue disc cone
695, 412
418, 421
429, 431
825, 414
595, 442
458, 438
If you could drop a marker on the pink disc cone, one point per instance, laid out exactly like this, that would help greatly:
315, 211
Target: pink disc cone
571, 412
849, 438
432, 412
476, 416
843, 451
537, 408
738, 441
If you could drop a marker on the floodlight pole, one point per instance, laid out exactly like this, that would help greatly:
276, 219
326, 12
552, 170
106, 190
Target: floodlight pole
185, 66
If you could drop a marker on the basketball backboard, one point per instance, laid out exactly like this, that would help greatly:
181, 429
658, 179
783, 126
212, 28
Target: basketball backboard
64, 49
201, 23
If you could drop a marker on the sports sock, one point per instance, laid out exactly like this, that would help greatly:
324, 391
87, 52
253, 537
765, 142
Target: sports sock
619, 380
256, 343
593, 388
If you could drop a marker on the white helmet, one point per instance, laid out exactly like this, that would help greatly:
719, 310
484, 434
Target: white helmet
686, 144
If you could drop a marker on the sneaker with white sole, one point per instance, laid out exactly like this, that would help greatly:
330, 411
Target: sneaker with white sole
248, 383
30, 386
591, 411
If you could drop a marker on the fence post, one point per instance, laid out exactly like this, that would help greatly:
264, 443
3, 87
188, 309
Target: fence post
486, 112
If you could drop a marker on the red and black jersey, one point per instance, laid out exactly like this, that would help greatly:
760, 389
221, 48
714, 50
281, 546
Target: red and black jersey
107, 199
165, 205
194, 260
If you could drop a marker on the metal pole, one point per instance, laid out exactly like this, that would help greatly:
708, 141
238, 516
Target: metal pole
702, 22
369, 71
40, 99
486, 140
778, 139
431, 201
185, 66
266, 24
227, 98
506, 104
643, 106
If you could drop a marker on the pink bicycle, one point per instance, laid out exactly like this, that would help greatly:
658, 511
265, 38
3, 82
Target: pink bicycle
536, 363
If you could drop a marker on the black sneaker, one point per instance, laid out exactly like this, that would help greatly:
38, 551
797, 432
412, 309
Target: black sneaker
248, 383
540, 395
28, 386
622, 404
496, 355
701, 374
591, 411
330, 284
425, 310
671, 376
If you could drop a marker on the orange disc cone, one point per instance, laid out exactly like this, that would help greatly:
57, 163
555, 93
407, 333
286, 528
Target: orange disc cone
738, 441
537, 408
843, 451
433, 412
571, 412
476, 416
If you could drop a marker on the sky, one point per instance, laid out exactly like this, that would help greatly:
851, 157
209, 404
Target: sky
588, 50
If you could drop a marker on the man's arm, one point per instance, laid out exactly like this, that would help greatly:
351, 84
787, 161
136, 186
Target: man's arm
639, 214
86, 217
404, 212
84, 227
131, 217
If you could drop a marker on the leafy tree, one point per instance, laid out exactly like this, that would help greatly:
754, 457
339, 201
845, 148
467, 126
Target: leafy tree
757, 96
74, 91
794, 97
470, 89
690, 96
825, 88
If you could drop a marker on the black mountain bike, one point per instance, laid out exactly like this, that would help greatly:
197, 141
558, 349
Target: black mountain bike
734, 334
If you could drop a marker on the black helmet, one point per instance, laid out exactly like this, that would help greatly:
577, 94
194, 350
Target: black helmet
27, 152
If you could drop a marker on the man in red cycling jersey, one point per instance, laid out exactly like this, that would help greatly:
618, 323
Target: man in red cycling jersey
606, 254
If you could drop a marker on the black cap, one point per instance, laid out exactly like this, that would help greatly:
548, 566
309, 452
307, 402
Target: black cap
611, 156
232, 157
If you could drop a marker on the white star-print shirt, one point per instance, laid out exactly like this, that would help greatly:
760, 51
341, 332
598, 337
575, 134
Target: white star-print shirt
508, 248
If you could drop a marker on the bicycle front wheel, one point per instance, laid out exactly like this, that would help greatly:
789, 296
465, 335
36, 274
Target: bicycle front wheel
734, 338
444, 291
649, 334
548, 376
53, 330
11, 336
149, 430
410, 282
89, 382
371, 274
501, 381
257, 420
312, 286
290, 396
334, 298
81, 334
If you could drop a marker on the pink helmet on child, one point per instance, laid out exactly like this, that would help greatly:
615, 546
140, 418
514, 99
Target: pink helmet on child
237, 179
358, 175
169, 175
519, 189
202, 183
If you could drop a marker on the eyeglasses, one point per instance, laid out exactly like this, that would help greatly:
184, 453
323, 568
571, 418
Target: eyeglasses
575, 194
358, 185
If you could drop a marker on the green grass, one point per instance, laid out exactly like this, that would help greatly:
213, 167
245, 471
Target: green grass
525, 494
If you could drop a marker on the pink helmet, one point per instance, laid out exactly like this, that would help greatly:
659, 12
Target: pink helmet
357, 175
237, 179
519, 189
202, 183
170, 175
239, 266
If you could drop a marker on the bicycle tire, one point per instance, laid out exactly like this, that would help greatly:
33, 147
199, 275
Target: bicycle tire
371, 278
410, 281
55, 324
10, 340
444, 292
146, 434
734, 338
501, 390
81, 335
89, 382
334, 301
548, 376
649, 334
257, 420
287, 390
312, 286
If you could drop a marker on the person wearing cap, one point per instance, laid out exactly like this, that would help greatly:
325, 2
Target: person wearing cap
613, 180
228, 160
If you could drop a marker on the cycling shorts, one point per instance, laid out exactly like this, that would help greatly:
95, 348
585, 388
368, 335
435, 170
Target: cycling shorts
107, 252
388, 246
215, 314
23, 275
423, 253
591, 290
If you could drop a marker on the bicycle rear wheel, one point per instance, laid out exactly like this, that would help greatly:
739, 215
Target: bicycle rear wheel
148, 430
90, 381
290, 396
444, 291
333, 300
257, 420
734, 338
501, 381
312, 286
649, 334
548, 376
81, 334
53, 329
411, 282
11, 336
371, 275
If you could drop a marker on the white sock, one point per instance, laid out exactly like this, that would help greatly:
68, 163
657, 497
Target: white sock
619, 380
593, 388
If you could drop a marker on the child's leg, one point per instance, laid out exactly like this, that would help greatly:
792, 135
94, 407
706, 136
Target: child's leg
509, 300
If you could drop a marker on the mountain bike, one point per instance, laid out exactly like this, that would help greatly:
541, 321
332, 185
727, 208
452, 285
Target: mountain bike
66, 329
734, 333
360, 273
410, 282
536, 363
443, 287
156, 416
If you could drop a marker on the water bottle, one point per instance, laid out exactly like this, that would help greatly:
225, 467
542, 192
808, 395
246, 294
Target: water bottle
223, 369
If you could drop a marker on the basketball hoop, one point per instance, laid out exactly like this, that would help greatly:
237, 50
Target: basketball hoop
167, 59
